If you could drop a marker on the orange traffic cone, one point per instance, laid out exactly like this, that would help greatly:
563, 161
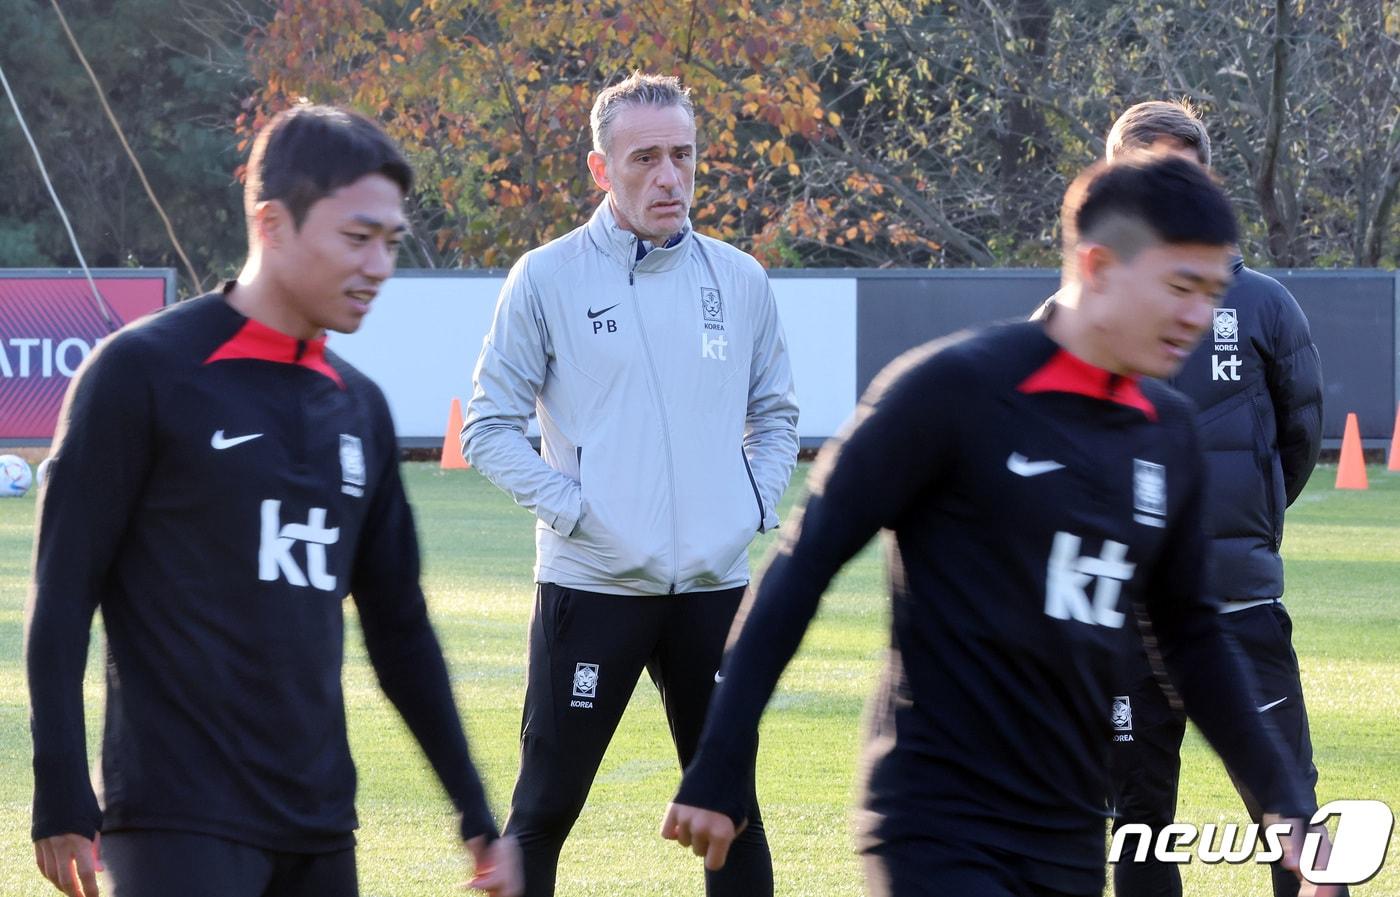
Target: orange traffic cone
1394, 463
1351, 467
452, 440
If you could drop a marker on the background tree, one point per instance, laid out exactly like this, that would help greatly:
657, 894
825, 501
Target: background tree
491, 100
833, 132
174, 75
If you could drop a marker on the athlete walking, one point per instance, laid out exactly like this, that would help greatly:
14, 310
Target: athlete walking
1039, 497
654, 361
1257, 383
220, 482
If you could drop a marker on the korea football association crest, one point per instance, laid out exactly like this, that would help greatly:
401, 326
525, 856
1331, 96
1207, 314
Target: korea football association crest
713, 342
352, 465
1149, 493
585, 685
1227, 328
711, 305
1122, 717
1227, 339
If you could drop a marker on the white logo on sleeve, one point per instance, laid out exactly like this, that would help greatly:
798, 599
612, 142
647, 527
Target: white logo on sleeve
1069, 576
275, 548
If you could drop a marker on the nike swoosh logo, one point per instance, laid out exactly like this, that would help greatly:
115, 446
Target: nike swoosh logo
594, 314
219, 442
1272, 705
1018, 464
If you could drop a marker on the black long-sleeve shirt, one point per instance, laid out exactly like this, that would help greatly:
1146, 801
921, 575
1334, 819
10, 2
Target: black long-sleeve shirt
1034, 504
217, 488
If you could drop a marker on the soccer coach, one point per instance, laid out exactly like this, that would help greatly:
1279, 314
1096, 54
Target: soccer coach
655, 362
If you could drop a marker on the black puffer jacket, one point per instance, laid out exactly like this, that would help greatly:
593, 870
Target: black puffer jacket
1257, 381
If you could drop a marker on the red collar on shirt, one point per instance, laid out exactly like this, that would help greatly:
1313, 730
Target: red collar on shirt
1066, 373
262, 343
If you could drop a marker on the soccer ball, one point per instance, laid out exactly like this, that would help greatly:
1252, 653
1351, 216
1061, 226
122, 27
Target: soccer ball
15, 476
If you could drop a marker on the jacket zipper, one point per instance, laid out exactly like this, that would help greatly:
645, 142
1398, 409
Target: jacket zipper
762, 513
1266, 470
665, 423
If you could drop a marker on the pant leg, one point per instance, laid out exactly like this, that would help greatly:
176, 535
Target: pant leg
585, 655
928, 868
684, 669
1144, 769
319, 874
912, 869
159, 863
1265, 638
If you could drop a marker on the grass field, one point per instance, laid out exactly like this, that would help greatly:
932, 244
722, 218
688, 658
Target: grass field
1343, 552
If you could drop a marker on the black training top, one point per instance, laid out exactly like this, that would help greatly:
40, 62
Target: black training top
1034, 502
217, 488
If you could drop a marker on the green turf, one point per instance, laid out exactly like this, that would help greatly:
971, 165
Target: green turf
1343, 553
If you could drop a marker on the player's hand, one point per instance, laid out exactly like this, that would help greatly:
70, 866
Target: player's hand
708, 834
1292, 845
71, 862
497, 867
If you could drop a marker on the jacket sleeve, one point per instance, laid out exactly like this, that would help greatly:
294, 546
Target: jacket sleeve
770, 426
1294, 376
101, 458
1183, 634
900, 429
510, 373
404, 650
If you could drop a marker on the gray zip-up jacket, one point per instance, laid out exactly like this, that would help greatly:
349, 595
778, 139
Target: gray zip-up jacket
667, 416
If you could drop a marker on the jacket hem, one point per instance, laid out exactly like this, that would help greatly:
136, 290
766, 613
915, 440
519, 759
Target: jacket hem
286, 842
637, 587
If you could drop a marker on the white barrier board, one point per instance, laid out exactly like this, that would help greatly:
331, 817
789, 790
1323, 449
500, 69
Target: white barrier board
424, 332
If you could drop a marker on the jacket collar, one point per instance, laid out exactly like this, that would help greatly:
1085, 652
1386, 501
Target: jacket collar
258, 342
621, 244
1064, 372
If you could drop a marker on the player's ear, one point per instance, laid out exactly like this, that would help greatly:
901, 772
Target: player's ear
271, 221
1092, 261
598, 167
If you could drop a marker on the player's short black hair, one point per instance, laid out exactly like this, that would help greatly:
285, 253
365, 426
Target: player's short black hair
308, 152
1141, 198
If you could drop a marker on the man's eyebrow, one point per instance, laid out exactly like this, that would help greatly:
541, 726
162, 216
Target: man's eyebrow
656, 148
1194, 277
376, 224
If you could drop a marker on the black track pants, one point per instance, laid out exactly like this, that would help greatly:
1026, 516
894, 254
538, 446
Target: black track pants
156, 863
1144, 770
929, 868
586, 653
